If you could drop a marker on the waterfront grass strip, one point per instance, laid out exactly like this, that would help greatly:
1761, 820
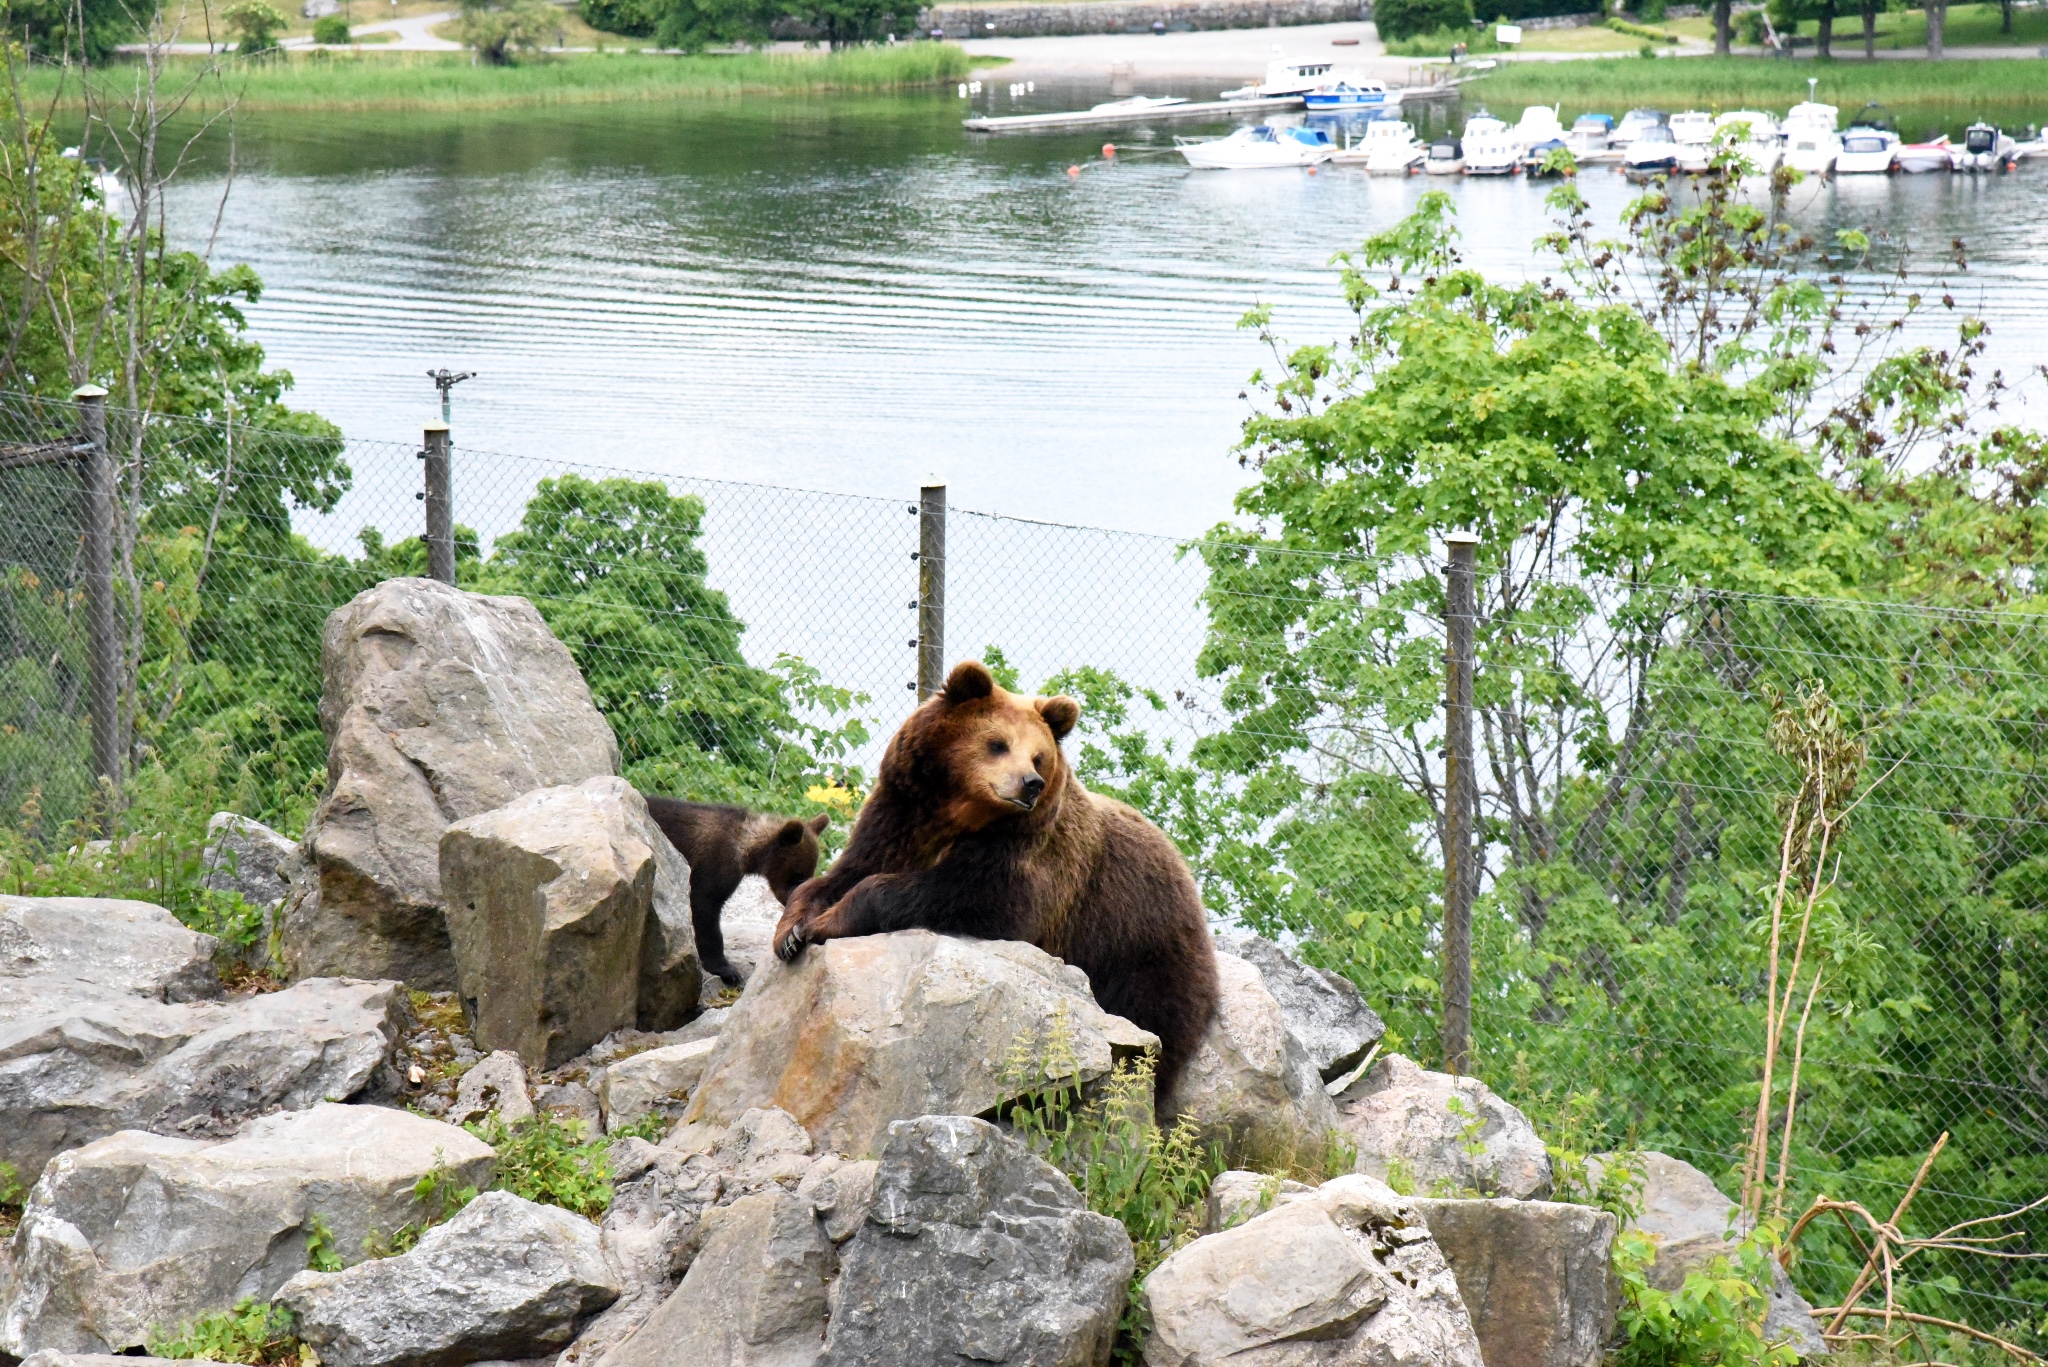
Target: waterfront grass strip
1612, 85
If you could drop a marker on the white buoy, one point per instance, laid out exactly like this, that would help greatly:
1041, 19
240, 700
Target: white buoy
963, 90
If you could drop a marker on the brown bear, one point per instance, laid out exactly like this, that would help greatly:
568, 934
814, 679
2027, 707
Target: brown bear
976, 826
724, 844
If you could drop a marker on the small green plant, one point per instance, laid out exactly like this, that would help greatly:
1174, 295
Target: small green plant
1613, 1183
1472, 1126
12, 1198
1714, 1320
439, 1199
652, 1127
331, 29
252, 1333
1399, 1177
320, 1251
548, 1160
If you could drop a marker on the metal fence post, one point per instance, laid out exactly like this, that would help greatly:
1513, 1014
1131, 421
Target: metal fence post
102, 629
1461, 800
931, 590
440, 498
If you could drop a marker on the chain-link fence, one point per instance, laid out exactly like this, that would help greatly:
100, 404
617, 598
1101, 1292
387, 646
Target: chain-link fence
1671, 782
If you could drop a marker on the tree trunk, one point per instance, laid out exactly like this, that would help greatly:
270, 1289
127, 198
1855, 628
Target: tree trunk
1869, 28
1723, 21
1937, 19
2005, 16
1824, 39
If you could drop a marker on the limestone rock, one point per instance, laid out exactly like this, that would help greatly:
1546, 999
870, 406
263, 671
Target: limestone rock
549, 899
754, 1297
1325, 1011
840, 1193
247, 857
1344, 1276
139, 1232
1689, 1219
1536, 1276
1249, 1085
78, 1063
50, 1357
658, 1082
1432, 1123
975, 1251
1236, 1196
505, 1278
99, 946
496, 1084
437, 705
862, 1032
671, 981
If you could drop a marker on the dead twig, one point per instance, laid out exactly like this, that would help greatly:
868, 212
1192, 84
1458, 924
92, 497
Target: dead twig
1842, 1312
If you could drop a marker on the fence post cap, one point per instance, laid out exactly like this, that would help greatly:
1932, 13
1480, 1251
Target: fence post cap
1461, 538
89, 391
437, 427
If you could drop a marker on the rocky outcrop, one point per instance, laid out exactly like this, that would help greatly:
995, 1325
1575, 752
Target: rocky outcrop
437, 705
1689, 1219
1250, 1086
657, 1082
1344, 1276
754, 1296
105, 1025
1447, 1136
549, 899
248, 858
50, 1357
1536, 1276
1325, 1012
504, 1279
975, 1250
497, 1086
138, 1233
862, 1032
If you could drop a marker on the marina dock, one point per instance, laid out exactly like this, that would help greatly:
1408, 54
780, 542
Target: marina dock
1206, 109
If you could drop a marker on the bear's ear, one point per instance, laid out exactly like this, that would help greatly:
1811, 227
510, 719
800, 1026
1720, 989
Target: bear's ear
1060, 714
791, 832
969, 680
819, 822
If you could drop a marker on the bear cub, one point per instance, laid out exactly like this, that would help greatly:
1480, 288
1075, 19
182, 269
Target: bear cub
977, 827
724, 844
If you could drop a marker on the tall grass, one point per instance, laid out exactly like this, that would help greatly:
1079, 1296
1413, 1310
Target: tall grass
405, 80
1611, 85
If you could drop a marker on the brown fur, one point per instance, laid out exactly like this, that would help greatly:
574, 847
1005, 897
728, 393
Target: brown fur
976, 826
724, 844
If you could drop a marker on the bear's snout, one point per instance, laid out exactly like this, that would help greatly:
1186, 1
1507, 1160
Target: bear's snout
1029, 790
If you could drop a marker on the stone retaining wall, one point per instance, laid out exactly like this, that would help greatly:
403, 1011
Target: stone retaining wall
1133, 16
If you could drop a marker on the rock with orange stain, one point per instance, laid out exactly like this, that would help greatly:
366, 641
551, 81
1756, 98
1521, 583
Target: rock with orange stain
862, 1032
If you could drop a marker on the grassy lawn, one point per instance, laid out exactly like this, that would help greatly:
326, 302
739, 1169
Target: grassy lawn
1968, 26
372, 80
1942, 90
1592, 38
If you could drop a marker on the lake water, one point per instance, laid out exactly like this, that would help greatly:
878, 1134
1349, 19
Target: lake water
851, 294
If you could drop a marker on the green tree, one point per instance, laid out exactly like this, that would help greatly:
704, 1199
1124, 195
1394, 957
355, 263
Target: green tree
1787, 15
332, 30
89, 28
1399, 19
502, 31
630, 18
255, 25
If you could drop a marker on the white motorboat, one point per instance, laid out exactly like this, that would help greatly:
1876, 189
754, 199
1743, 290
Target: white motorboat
1867, 152
1634, 122
1755, 135
1590, 134
1288, 76
1919, 158
1490, 146
1811, 143
1259, 147
1446, 158
1693, 131
1137, 102
1985, 148
1391, 148
1653, 150
1352, 95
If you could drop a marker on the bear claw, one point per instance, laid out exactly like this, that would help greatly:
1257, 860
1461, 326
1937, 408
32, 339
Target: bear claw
790, 946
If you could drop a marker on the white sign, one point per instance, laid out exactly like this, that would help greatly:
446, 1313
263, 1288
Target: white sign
1509, 34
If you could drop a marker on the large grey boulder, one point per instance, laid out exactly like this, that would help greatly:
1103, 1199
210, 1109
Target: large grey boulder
1448, 1136
976, 1251
549, 903
862, 1032
438, 705
657, 1082
245, 856
754, 1296
1249, 1085
50, 1357
1325, 1011
1536, 1276
105, 1025
496, 1086
138, 1233
1343, 1276
504, 1279
1689, 1219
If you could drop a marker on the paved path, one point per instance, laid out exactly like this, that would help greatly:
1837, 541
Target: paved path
414, 35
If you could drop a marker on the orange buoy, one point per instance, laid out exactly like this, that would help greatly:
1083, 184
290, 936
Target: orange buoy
1109, 149
1073, 170
1311, 170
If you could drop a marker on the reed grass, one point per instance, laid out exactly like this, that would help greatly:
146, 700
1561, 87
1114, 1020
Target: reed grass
436, 81
1612, 85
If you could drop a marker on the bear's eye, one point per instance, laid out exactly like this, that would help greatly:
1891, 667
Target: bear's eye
999, 747
1038, 763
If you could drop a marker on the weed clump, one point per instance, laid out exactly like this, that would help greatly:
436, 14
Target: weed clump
253, 1334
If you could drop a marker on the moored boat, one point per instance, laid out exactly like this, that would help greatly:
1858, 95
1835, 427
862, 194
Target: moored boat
1258, 147
1490, 146
1590, 133
1755, 135
1351, 94
1654, 149
1985, 147
1811, 143
1391, 148
1693, 131
1634, 122
1867, 151
1446, 157
1919, 158
1295, 76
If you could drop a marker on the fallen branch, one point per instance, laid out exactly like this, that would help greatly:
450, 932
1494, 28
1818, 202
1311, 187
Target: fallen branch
1842, 1312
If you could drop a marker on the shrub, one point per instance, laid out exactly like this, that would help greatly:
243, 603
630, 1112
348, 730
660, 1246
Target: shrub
439, 1199
252, 1333
549, 1161
630, 18
1399, 19
255, 26
11, 1198
331, 28
1716, 1317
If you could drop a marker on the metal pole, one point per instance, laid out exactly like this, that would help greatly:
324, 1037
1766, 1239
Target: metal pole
440, 506
102, 628
1461, 800
931, 590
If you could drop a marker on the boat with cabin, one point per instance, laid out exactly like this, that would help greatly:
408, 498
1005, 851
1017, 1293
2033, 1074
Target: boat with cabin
1490, 146
1986, 147
1653, 150
1811, 142
1391, 148
1259, 147
1446, 157
1634, 122
1754, 134
1352, 94
1290, 76
1870, 146
1590, 134
1693, 131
